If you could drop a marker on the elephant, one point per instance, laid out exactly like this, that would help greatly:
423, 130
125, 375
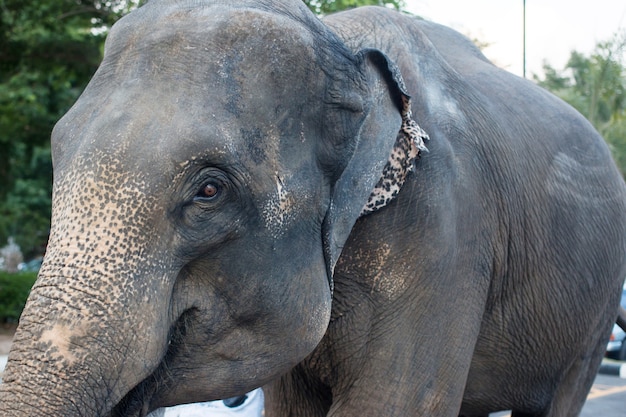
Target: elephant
359, 213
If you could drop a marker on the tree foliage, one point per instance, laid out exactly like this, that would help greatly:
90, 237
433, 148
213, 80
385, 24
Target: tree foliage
14, 290
596, 86
48, 51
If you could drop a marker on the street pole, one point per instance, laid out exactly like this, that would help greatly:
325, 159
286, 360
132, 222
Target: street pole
524, 41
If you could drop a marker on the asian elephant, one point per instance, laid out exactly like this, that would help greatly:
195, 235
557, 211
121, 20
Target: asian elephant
360, 213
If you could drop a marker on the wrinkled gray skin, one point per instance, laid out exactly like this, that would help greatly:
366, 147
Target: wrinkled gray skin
210, 175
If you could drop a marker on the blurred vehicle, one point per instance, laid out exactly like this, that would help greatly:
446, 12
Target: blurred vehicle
616, 349
31, 266
249, 405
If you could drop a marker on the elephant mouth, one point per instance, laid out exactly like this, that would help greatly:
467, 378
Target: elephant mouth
140, 400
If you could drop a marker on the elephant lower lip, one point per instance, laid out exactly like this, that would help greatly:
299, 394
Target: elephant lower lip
138, 401
129, 408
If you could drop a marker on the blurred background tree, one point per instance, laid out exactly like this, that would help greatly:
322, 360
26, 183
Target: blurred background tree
48, 51
596, 86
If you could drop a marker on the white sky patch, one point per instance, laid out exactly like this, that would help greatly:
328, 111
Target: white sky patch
553, 27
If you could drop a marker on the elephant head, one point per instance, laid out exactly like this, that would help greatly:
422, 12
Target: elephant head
204, 185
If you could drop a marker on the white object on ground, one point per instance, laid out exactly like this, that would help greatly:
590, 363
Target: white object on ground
251, 407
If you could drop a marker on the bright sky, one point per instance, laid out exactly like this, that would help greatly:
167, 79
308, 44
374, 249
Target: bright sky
553, 27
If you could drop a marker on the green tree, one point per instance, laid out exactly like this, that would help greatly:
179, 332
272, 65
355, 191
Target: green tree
596, 86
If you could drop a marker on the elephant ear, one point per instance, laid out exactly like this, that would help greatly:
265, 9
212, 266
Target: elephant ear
386, 142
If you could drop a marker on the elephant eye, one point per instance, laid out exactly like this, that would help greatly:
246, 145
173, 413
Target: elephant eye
208, 192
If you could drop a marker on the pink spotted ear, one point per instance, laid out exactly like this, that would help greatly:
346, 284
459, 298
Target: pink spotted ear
408, 147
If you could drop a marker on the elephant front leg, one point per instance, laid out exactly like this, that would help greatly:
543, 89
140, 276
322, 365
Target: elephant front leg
410, 358
298, 393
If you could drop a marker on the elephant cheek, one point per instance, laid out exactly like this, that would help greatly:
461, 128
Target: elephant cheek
224, 346
317, 325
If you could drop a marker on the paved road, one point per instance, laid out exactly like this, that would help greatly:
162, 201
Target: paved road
607, 398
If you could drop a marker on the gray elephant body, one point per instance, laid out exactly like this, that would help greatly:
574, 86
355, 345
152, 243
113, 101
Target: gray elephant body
211, 179
471, 284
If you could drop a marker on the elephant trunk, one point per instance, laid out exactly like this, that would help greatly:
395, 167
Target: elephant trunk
78, 349
78, 358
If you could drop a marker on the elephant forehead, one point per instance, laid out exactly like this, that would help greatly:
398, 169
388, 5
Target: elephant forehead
179, 87
230, 81
214, 44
